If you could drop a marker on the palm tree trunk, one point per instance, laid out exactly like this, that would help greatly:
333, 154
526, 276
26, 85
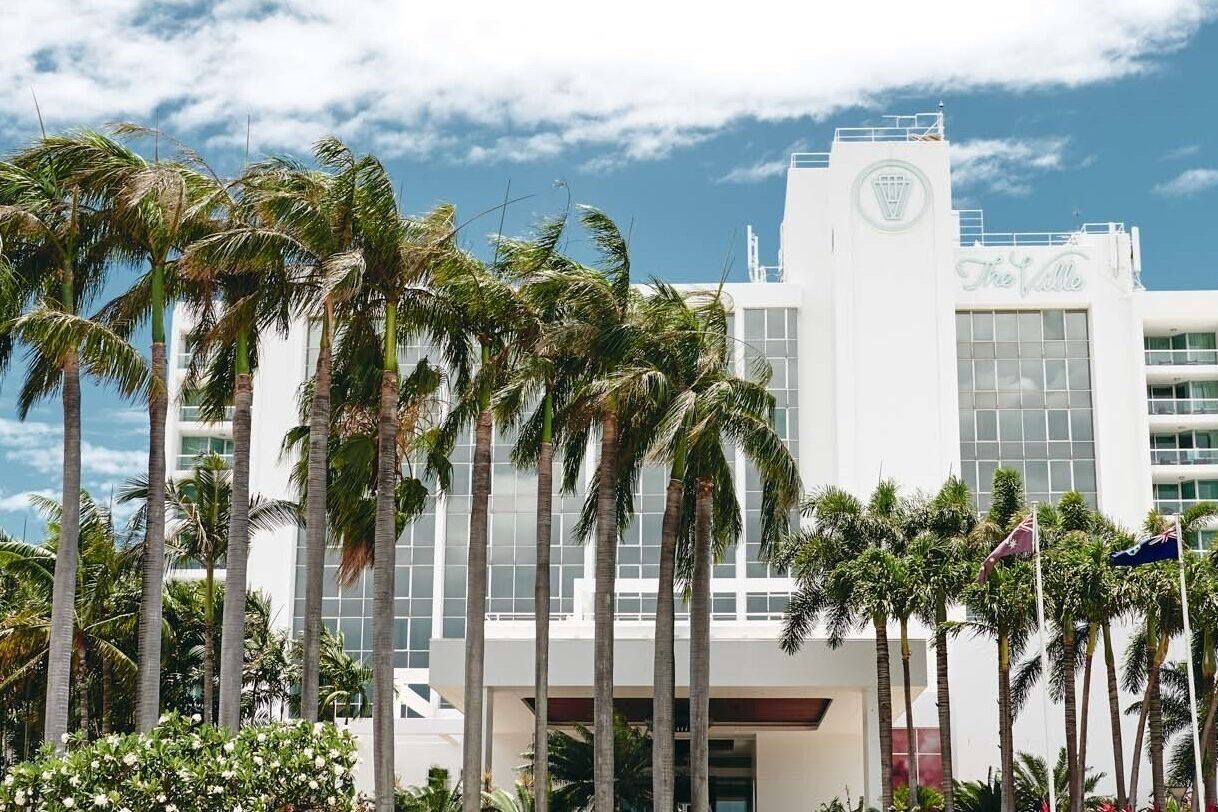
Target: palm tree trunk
107, 711
911, 745
945, 710
209, 642
699, 651
1154, 660
1085, 709
82, 688
475, 604
148, 691
663, 744
232, 634
1005, 743
383, 561
1114, 717
541, 612
1070, 706
315, 524
883, 687
606, 577
1158, 781
59, 657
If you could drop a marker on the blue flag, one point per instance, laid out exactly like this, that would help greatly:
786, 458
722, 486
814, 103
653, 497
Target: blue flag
1163, 547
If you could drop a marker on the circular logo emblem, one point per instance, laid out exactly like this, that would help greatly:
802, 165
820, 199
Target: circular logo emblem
891, 195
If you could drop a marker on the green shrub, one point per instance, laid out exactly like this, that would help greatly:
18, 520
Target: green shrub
183, 766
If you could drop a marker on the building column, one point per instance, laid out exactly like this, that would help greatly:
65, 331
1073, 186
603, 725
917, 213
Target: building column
872, 772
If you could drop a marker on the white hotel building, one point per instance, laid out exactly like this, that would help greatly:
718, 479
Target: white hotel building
907, 341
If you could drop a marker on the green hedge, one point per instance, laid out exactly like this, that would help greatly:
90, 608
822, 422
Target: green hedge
183, 766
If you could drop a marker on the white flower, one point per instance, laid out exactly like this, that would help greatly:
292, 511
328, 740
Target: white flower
101, 800
160, 798
196, 718
229, 747
48, 775
171, 808
319, 762
69, 802
258, 760
19, 798
74, 780
8, 780
339, 769
130, 759
95, 764
312, 784
261, 738
308, 752
124, 809
330, 800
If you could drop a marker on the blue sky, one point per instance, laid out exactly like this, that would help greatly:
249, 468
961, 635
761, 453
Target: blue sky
1058, 114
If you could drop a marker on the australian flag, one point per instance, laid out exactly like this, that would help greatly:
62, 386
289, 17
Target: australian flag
1022, 541
1163, 547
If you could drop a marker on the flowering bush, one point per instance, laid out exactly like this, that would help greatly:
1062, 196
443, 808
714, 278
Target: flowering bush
183, 766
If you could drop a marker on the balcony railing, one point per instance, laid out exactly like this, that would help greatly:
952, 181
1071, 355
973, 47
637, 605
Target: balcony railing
1163, 358
193, 414
1184, 406
1174, 507
188, 461
1184, 456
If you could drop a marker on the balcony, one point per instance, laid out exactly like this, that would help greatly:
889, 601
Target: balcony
1184, 456
1183, 406
193, 414
1165, 358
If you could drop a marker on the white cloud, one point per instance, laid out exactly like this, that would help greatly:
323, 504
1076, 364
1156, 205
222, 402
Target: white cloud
1186, 151
38, 447
20, 502
501, 82
756, 172
1189, 182
1006, 165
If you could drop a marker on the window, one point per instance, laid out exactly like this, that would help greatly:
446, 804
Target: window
193, 447
926, 753
1024, 382
1182, 348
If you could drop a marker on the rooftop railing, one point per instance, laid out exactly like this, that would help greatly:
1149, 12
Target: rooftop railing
919, 127
972, 233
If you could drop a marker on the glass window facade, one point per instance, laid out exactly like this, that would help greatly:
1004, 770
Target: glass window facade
1026, 401
771, 332
195, 446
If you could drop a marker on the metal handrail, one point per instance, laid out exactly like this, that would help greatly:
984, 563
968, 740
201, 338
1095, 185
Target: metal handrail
1183, 405
809, 160
1182, 357
192, 414
1184, 456
918, 127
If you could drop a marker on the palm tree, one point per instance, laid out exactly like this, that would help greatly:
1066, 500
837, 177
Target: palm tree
572, 766
721, 411
437, 795
603, 329
841, 567
541, 379
396, 257
1154, 592
1002, 608
55, 246
944, 555
343, 679
307, 220
200, 511
488, 307
1032, 783
154, 208
103, 616
237, 295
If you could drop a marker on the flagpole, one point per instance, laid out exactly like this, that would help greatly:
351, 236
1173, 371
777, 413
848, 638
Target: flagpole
1198, 784
1044, 657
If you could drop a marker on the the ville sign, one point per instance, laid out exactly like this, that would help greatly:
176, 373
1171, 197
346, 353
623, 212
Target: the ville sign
1021, 272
